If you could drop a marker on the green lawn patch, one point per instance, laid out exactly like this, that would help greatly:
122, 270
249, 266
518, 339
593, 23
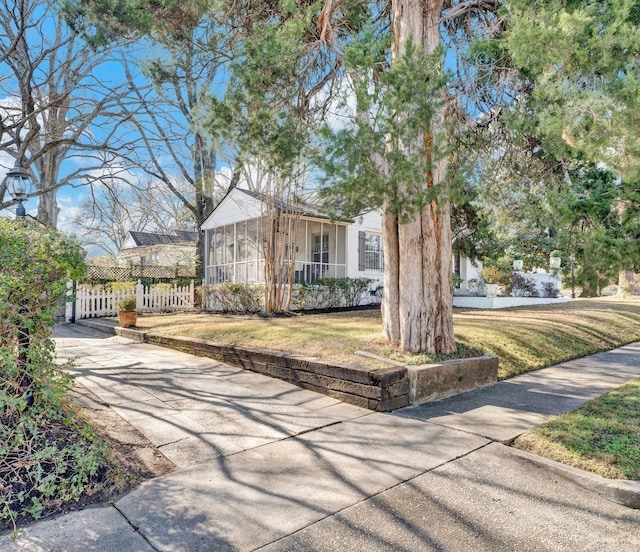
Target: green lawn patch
603, 436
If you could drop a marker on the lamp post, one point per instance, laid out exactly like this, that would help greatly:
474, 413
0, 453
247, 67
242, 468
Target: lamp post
18, 182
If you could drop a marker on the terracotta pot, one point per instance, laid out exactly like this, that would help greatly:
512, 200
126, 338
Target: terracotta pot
127, 318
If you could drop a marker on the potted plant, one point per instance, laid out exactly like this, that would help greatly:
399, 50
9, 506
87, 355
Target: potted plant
518, 263
555, 260
491, 275
127, 312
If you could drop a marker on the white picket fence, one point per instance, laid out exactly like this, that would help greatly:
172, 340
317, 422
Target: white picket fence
93, 302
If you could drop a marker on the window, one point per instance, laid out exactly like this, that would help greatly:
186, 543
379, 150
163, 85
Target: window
321, 248
370, 252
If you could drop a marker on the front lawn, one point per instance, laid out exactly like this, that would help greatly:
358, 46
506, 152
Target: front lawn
524, 338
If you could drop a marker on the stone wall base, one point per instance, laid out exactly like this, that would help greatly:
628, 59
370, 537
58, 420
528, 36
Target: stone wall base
430, 382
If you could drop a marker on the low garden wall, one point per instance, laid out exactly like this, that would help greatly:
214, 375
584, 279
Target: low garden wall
504, 302
430, 382
381, 390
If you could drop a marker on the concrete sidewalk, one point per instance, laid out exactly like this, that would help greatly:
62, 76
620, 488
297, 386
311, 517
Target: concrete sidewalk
266, 465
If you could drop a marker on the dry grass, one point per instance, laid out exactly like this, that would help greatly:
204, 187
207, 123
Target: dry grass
332, 336
525, 339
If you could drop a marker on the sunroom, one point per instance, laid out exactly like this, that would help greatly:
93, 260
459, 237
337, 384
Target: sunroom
238, 236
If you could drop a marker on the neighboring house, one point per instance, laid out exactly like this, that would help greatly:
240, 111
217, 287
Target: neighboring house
469, 273
154, 249
324, 248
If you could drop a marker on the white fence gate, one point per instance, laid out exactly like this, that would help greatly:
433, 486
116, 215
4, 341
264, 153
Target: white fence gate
92, 302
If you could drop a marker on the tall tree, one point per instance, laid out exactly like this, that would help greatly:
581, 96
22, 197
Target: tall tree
170, 90
57, 115
394, 154
114, 208
418, 300
581, 62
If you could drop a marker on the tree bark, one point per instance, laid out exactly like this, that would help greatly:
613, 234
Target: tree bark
418, 303
626, 283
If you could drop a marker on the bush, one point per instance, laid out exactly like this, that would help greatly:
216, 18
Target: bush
128, 304
321, 294
329, 293
46, 459
477, 288
128, 287
233, 298
522, 286
491, 274
549, 289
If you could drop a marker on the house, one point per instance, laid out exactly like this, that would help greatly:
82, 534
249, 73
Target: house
323, 248
156, 249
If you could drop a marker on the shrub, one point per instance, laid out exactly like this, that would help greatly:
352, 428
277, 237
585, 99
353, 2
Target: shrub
125, 287
233, 298
46, 459
477, 287
491, 274
330, 293
522, 286
321, 294
549, 289
352, 289
128, 304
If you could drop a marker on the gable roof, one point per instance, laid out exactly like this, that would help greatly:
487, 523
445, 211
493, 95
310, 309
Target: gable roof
177, 237
302, 208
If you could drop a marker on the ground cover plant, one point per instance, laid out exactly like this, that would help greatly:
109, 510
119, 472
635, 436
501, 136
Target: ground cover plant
602, 436
525, 338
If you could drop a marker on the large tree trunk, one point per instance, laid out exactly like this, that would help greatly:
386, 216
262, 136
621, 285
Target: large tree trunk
418, 298
626, 283
204, 165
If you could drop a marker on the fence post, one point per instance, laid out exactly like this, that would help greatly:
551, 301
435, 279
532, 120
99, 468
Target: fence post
139, 296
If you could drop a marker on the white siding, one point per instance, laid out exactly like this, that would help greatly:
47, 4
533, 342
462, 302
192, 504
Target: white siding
237, 206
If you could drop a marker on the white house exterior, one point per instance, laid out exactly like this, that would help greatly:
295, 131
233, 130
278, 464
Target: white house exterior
324, 248
234, 236
468, 271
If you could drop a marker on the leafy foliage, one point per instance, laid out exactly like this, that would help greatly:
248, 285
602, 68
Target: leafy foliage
581, 58
522, 286
380, 156
492, 274
330, 293
46, 458
549, 289
233, 298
